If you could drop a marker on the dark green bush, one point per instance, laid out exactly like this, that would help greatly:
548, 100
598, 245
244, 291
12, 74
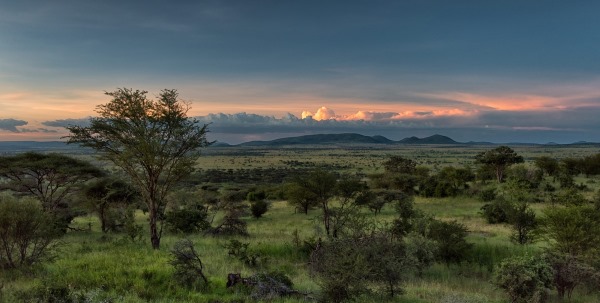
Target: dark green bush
259, 208
187, 220
497, 211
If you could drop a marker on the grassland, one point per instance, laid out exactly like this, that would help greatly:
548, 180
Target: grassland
107, 267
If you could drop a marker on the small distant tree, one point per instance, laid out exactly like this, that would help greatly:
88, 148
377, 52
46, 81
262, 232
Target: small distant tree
152, 141
499, 158
523, 221
320, 186
547, 164
399, 164
300, 198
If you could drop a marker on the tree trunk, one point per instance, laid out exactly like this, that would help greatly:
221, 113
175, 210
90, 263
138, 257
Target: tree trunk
499, 172
154, 236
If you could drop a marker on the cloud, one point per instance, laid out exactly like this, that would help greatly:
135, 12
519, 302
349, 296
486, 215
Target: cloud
67, 122
11, 124
37, 130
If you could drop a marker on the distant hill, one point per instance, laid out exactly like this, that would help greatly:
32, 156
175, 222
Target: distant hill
435, 139
38, 146
321, 139
349, 138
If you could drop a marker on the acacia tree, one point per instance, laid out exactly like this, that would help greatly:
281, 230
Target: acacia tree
152, 141
499, 158
51, 178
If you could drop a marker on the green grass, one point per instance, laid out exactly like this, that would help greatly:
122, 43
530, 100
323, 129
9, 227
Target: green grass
111, 266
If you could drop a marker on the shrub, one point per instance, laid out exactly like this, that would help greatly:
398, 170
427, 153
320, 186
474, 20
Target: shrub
451, 238
189, 269
259, 208
27, 234
525, 279
497, 211
242, 252
487, 194
187, 220
349, 267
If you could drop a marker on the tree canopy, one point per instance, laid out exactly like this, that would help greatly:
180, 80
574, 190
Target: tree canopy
51, 178
499, 158
152, 141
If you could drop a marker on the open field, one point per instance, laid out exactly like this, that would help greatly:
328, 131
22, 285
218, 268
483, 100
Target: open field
113, 268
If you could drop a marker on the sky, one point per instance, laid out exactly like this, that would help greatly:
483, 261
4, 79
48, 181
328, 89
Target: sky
497, 71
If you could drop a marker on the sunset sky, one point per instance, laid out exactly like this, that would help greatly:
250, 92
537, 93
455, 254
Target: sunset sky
499, 71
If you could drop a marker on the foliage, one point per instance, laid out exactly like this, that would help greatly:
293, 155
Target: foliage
187, 219
51, 178
27, 233
109, 199
423, 250
547, 165
152, 141
300, 198
242, 252
525, 279
573, 230
529, 178
451, 238
232, 204
321, 187
523, 221
497, 211
259, 208
499, 158
348, 267
189, 268
487, 194
569, 271
399, 164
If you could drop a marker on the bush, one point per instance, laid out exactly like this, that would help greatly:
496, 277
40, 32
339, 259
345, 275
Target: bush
487, 194
189, 268
187, 220
497, 211
259, 208
525, 279
349, 267
451, 238
242, 252
27, 234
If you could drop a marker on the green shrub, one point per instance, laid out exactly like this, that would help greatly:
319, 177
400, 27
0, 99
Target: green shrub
27, 233
497, 211
187, 220
487, 194
525, 279
259, 208
451, 238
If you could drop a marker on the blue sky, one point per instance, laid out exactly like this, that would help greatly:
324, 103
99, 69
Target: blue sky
500, 71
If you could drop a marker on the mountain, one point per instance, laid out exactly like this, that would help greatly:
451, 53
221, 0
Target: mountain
348, 138
435, 139
321, 139
44, 146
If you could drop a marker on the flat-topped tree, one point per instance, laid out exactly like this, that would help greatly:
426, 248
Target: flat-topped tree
499, 158
51, 178
152, 141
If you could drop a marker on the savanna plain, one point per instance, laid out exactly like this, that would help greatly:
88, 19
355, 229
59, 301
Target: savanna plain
256, 227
